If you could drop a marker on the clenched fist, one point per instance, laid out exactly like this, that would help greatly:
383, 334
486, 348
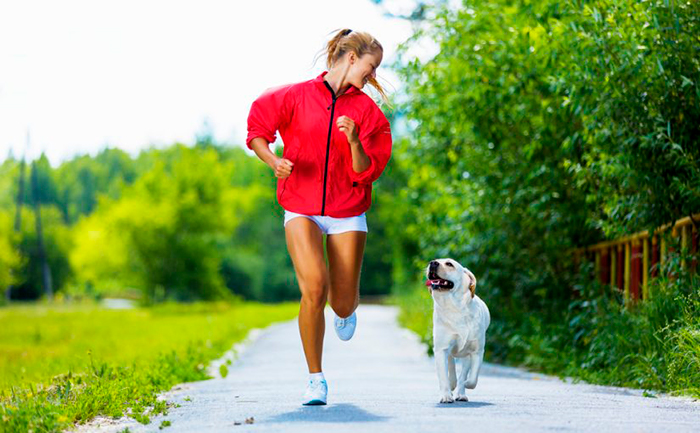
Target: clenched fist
347, 125
283, 168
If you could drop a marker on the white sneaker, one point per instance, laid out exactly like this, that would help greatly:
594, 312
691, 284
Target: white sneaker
345, 328
316, 392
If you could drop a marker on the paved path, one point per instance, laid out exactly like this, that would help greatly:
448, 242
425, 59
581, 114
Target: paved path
382, 381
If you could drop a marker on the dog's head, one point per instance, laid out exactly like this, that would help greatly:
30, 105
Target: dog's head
448, 275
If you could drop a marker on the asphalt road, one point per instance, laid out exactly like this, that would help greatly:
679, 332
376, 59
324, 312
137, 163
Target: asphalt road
382, 381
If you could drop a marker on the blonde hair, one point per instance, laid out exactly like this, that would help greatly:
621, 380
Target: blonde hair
361, 43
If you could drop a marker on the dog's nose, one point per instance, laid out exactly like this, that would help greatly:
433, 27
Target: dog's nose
434, 264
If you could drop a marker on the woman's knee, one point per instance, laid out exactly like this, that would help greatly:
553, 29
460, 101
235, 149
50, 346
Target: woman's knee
344, 310
314, 292
344, 302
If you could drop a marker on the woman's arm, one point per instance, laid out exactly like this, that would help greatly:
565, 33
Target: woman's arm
360, 160
281, 166
371, 148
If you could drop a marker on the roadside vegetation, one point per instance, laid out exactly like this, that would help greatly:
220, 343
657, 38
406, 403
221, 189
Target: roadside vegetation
61, 365
653, 345
536, 128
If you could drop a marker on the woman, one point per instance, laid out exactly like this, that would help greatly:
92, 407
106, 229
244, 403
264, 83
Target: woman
336, 143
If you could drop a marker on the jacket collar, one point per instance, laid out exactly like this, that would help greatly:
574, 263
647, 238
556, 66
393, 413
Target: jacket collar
320, 82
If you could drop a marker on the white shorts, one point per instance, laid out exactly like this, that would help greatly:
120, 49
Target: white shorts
330, 225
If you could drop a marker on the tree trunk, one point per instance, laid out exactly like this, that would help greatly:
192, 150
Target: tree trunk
46, 271
18, 215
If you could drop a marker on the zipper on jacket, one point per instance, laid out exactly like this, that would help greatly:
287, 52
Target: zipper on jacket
328, 145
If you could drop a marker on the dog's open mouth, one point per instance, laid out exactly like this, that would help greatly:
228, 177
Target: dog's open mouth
437, 283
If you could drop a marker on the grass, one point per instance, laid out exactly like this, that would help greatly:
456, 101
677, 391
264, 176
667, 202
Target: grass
65, 364
416, 314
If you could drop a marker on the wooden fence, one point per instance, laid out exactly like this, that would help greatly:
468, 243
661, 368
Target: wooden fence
629, 262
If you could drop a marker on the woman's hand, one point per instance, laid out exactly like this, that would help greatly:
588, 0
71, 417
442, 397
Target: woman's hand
347, 125
283, 167
360, 160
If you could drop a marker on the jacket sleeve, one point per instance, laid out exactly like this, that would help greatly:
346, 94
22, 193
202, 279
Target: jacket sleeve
376, 141
268, 113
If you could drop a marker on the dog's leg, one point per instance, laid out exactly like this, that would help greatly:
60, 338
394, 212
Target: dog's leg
465, 367
476, 360
451, 373
441, 366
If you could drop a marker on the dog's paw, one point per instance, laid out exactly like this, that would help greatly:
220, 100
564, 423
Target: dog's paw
461, 398
447, 398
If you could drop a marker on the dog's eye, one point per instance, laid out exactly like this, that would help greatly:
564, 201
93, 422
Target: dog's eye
449, 264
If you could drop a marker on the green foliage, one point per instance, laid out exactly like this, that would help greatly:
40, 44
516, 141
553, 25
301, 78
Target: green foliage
223, 370
391, 241
84, 178
46, 189
632, 83
489, 183
9, 178
57, 242
166, 226
10, 258
539, 127
71, 372
654, 346
416, 314
184, 223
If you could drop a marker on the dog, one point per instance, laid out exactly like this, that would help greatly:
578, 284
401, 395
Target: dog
460, 320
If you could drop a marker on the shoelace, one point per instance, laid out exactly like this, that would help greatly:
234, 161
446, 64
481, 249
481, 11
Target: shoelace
317, 383
341, 322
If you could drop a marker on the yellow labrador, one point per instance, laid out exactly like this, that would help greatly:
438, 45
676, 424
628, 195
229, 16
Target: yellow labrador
460, 320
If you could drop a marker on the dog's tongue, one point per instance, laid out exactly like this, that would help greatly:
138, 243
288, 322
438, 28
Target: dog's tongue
431, 282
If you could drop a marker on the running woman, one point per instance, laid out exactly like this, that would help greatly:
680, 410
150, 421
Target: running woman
337, 142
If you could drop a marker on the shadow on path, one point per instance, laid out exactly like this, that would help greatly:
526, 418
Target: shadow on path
343, 412
463, 405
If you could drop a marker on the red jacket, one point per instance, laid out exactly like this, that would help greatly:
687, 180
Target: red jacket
322, 181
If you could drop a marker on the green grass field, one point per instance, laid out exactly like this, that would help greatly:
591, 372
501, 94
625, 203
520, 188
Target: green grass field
64, 364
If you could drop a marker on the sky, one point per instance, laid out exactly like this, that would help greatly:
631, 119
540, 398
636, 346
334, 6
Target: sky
84, 75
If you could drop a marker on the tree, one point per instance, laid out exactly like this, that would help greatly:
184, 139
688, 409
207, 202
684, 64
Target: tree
45, 270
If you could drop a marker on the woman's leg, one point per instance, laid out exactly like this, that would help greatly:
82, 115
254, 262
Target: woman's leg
305, 246
345, 251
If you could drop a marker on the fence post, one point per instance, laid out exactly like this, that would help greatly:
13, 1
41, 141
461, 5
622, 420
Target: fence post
671, 248
628, 256
613, 266
605, 266
635, 269
662, 251
684, 245
645, 269
629, 263
655, 256
620, 268
694, 262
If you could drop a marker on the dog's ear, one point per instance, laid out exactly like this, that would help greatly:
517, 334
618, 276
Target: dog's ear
472, 282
